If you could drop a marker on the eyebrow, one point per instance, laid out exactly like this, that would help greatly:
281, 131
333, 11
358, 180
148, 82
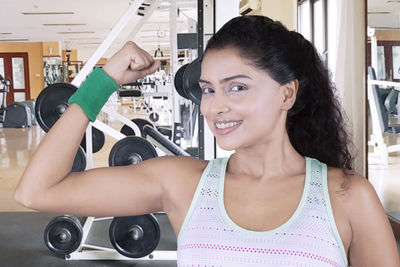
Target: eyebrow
227, 78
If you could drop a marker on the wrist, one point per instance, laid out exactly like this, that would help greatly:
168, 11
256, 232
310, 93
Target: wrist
109, 72
94, 92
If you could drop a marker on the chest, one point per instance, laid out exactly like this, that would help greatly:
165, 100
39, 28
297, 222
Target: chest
262, 206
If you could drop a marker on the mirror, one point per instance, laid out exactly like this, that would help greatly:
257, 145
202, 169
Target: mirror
383, 61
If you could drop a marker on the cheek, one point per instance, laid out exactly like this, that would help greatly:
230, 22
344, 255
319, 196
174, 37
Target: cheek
204, 107
264, 110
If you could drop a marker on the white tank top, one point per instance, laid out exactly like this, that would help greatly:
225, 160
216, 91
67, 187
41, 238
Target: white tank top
208, 237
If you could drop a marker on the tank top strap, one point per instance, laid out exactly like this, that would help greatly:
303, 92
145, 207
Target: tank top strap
209, 189
315, 192
319, 204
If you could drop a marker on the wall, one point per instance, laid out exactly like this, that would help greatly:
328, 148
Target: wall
283, 10
51, 49
387, 35
35, 57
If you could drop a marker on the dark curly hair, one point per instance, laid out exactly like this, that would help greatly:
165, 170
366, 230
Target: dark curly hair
315, 124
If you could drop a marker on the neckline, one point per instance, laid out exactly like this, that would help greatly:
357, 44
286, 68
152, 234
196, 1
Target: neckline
271, 231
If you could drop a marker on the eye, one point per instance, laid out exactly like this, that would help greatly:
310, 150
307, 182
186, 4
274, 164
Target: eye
237, 88
207, 90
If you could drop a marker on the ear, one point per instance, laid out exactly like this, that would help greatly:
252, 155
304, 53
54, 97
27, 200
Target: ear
289, 94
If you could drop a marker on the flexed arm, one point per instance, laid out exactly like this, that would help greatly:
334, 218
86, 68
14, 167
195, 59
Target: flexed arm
47, 183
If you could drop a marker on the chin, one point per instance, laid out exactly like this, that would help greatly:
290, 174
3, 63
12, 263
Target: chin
227, 145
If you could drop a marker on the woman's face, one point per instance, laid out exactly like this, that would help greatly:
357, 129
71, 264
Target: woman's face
241, 104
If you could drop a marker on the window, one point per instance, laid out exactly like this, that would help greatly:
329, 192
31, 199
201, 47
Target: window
313, 22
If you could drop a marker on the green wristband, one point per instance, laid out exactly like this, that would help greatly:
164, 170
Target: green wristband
94, 93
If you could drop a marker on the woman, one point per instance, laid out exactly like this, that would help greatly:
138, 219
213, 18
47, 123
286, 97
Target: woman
274, 202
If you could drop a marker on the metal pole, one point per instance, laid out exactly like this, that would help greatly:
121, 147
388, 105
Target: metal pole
200, 32
173, 37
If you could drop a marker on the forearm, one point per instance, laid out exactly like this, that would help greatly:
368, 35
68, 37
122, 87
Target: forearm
52, 160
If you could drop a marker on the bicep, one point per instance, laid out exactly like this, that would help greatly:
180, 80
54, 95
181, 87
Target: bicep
112, 191
373, 242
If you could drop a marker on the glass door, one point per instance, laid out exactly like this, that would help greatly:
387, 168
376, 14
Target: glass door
15, 68
2, 75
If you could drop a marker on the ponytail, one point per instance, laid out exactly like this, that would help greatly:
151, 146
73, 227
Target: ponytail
315, 124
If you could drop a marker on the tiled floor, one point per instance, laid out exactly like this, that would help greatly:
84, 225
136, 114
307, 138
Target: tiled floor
386, 179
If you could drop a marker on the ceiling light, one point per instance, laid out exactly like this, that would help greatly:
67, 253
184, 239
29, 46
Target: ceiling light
14, 40
5, 33
379, 12
85, 38
47, 13
93, 43
68, 24
165, 4
73, 32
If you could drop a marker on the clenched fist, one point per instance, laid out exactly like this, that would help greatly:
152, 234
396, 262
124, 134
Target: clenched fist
130, 63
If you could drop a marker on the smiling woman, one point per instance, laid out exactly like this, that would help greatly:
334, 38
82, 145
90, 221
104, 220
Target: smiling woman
286, 197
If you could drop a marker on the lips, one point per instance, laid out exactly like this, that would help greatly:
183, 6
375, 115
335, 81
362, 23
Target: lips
226, 126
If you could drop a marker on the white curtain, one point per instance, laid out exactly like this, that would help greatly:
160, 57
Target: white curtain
348, 68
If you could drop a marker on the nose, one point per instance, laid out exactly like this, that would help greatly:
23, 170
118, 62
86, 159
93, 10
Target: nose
219, 103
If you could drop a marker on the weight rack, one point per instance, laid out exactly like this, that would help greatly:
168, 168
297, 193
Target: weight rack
88, 251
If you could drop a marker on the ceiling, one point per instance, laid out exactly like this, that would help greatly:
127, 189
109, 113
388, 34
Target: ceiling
86, 23
384, 14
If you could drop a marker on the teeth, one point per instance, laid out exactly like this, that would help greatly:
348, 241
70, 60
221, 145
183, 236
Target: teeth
227, 125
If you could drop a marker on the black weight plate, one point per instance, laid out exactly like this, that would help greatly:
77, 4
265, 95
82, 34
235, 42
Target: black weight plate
98, 140
63, 234
126, 130
191, 78
178, 81
131, 150
125, 239
52, 103
79, 161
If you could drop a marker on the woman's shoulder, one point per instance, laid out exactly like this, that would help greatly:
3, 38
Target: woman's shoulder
348, 183
352, 192
361, 219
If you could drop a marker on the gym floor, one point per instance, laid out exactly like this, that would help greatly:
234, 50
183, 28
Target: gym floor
21, 229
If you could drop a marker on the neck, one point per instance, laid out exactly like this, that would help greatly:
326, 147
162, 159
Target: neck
277, 158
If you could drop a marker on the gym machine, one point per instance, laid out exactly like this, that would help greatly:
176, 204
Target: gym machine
16, 114
5, 84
